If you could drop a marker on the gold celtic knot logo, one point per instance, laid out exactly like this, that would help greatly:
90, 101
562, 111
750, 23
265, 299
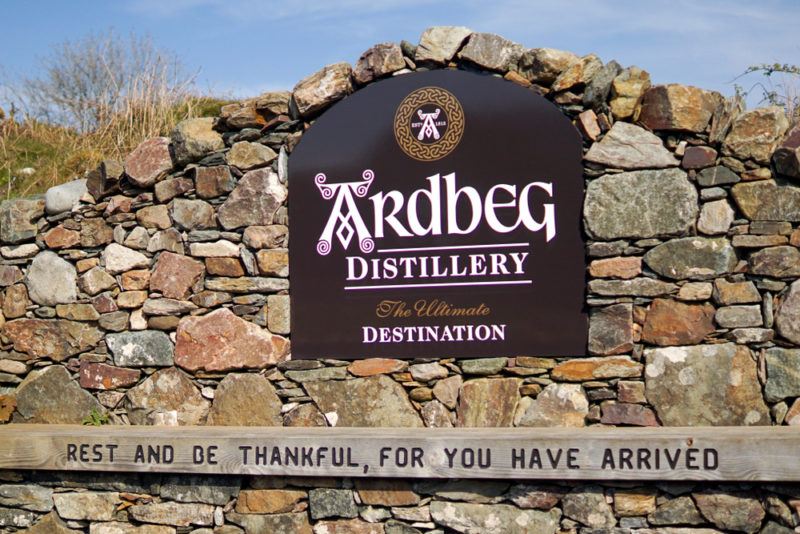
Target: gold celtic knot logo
429, 123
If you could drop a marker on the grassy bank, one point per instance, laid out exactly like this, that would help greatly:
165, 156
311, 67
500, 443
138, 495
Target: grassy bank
57, 154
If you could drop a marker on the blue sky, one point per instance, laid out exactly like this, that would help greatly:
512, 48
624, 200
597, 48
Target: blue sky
244, 47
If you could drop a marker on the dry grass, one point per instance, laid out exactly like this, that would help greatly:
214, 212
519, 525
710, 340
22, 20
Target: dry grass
59, 154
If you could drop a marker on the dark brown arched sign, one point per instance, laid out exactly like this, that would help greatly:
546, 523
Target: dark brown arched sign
438, 214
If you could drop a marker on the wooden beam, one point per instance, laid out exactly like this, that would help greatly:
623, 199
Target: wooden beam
702, 453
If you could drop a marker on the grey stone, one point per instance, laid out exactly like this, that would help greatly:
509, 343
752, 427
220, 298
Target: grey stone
292, 523
51, 396
640, 204
627, 146
493, 518
611, 329
439, 44
303, 376
96, 280
719, 175
683, 385
245, 155
787, 317
64, 197
372, 402
194, 138
766, 200
172, 307
321, 89
118, 259
739, 316
558, 405
677, 511
587, 505
114, 321
715, 217
436, 415
278, 314
324, 502
169, 240
52, 524
731, 511
254, 201
425, 372
778, 262
491, 52
483, 366
192, 214
173, 513
245, 399
17, 219
117, 527
51, 280
26, 496
87, 506
751, 335
11, 517
247, 284
167, 397
636, 287
596, 93
692, 258
201, 489
146, 348
783, 374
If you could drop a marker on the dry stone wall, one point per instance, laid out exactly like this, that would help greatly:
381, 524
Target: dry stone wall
155, 292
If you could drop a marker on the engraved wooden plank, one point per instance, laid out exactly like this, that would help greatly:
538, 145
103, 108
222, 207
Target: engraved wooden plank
705, 453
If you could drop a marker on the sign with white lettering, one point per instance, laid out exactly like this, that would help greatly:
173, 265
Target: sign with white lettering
438, 213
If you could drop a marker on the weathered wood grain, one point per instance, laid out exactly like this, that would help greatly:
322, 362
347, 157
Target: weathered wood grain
703, 453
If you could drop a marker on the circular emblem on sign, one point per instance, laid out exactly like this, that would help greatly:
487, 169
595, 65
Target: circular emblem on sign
429, 123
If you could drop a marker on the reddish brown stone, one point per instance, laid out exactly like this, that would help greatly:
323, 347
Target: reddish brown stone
169, 189
9, 275
15, 301
57, 340
135, 280
104, 303
221, 341
7, 406
583, 369
224, 267
620, 413
677, 107
60, 237
305, 415
670, 322
587, 124
268, 501
377, 62
149, 162
376, 366
699, 157
211, 182
620, 267
794, 239
96, 233
102, 376
488, 402
386, 492
175, 275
